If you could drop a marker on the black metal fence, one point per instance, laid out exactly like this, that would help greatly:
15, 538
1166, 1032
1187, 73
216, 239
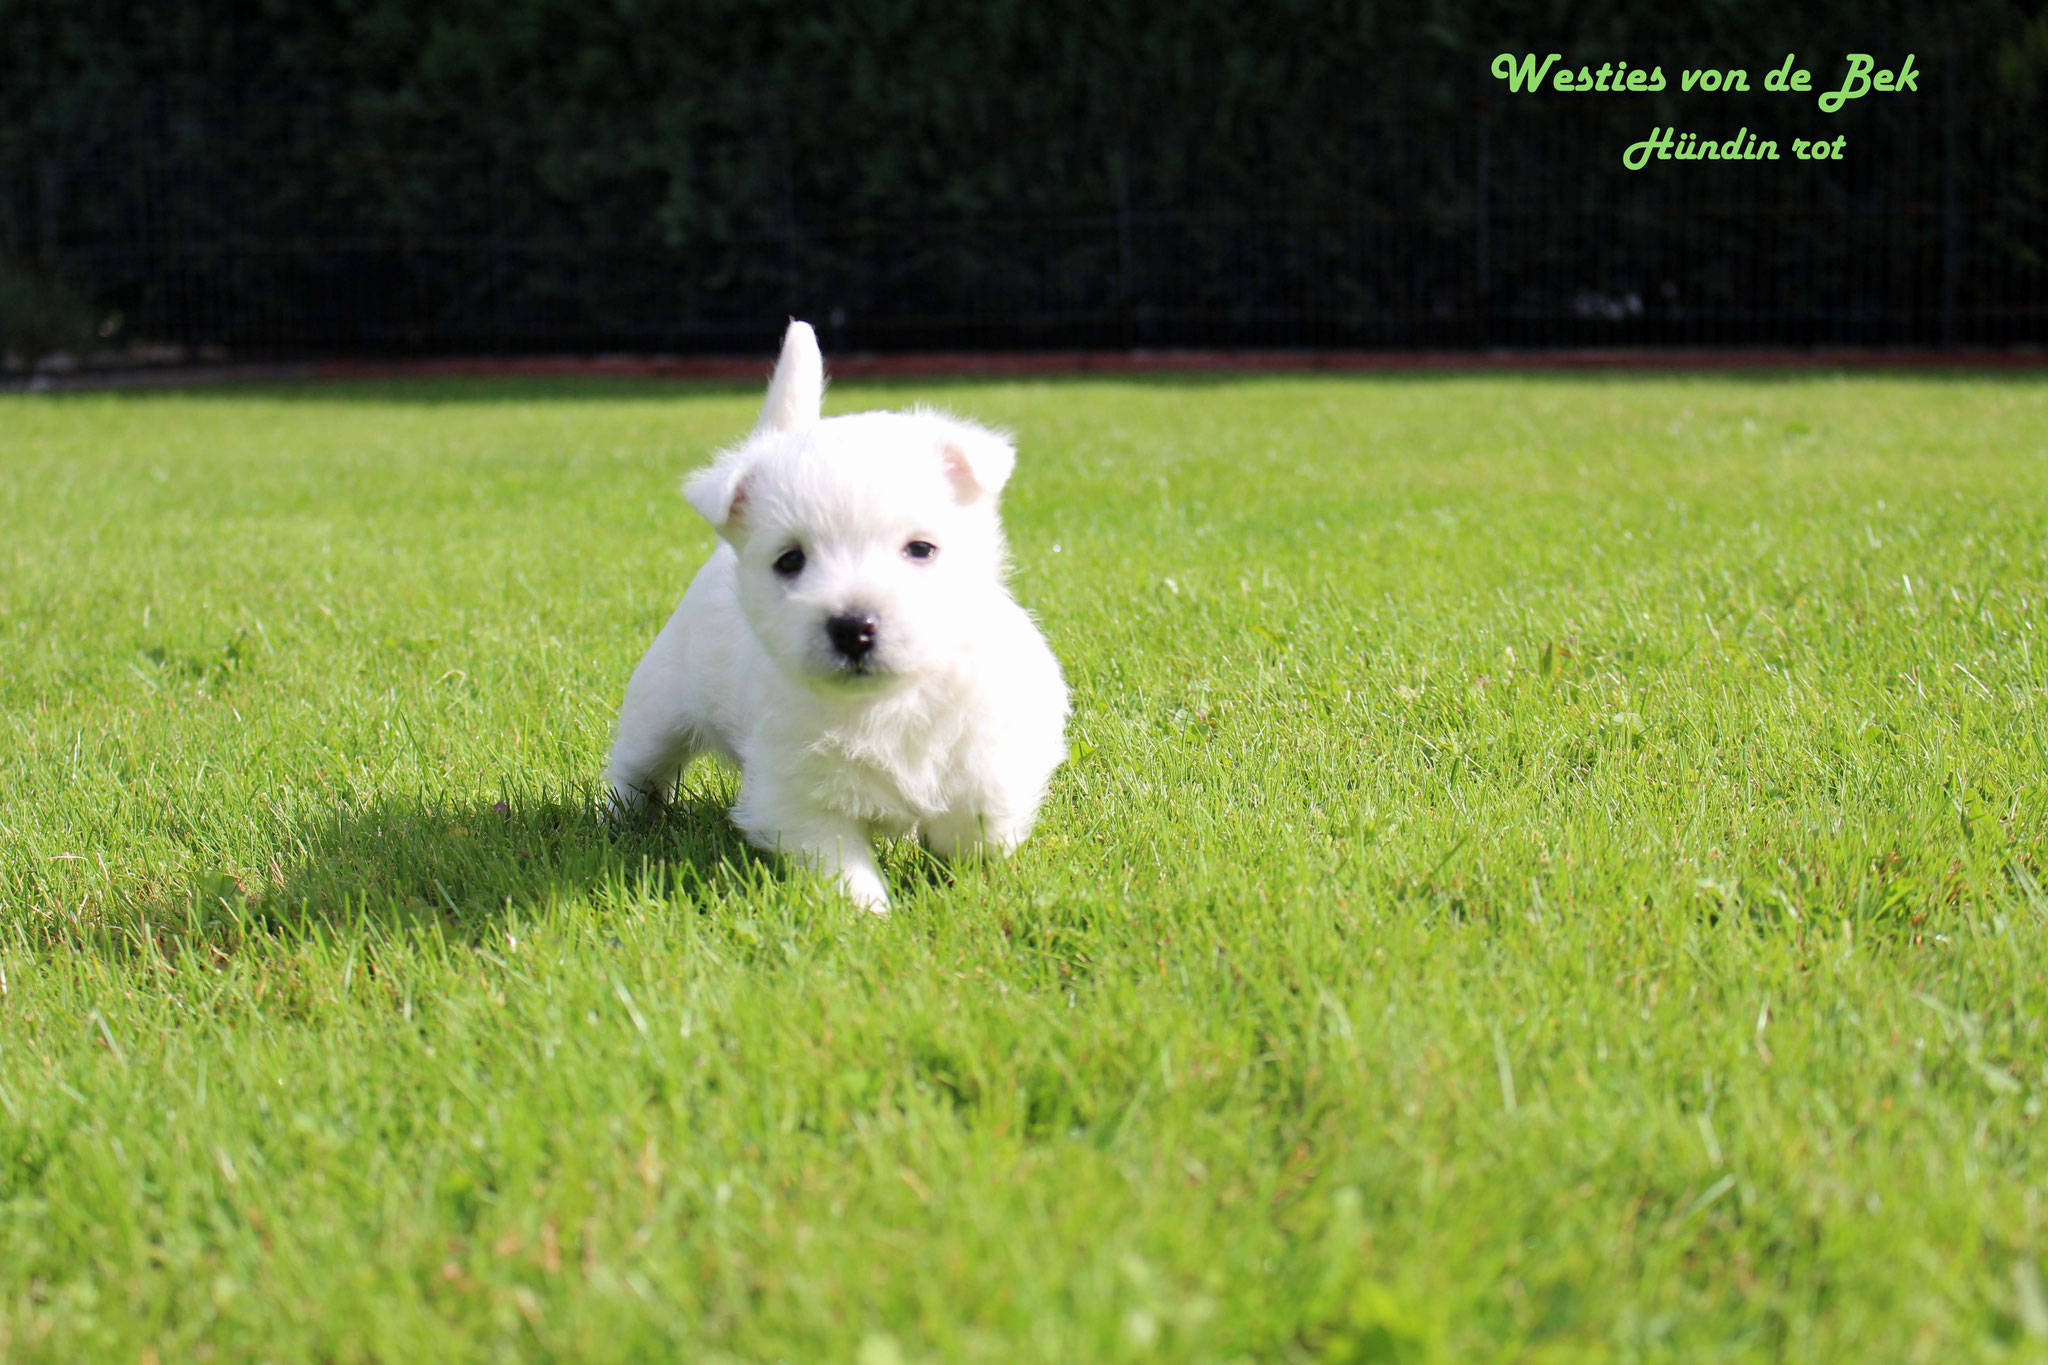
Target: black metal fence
1445, 211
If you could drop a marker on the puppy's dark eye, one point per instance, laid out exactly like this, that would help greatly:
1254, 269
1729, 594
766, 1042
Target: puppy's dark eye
920, 549
790, 562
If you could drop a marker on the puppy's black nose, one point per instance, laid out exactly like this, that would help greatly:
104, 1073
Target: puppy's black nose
852, 634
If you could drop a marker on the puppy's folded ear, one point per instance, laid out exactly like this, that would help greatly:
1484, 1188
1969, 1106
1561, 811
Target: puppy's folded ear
796, 394
977, 461
719, 493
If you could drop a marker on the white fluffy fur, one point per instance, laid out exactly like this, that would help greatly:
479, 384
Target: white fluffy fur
949, 729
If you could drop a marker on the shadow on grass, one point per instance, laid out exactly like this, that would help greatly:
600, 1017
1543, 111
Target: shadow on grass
464, 866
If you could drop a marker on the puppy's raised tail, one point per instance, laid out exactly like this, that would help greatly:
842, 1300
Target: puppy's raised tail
796, 395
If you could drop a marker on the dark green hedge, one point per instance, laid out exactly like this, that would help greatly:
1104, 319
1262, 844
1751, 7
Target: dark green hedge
542, 173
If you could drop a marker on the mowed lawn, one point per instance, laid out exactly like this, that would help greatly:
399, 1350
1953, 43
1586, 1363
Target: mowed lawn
1551, 868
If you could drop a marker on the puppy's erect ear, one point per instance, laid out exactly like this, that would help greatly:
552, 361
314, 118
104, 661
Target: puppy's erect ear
977, 461
795, 396
797, 392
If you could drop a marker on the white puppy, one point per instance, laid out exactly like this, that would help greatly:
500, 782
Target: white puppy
850, 644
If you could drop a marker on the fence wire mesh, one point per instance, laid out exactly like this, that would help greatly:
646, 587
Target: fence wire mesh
1444, 211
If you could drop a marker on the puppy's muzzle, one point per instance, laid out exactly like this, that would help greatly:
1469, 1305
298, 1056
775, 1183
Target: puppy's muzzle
852, 635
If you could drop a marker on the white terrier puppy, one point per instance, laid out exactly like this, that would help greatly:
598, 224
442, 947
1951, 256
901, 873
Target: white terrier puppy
850, 644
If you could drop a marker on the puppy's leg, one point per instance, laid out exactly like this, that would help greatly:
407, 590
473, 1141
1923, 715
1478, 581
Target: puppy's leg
820, 840
841, 850
961, 835
645, 765
656, 741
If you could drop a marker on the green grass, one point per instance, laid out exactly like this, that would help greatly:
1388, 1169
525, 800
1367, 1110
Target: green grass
1551, 870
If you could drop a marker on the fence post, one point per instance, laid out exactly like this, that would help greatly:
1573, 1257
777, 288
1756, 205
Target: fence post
49, 188
495, 272
1482, 292
1126, 291
786, 157
1950, 247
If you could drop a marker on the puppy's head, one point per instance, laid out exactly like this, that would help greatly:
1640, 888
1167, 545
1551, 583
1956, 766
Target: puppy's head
867, 544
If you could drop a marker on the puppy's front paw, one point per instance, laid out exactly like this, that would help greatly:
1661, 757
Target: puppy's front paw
621, 803
865, 888
837, 849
